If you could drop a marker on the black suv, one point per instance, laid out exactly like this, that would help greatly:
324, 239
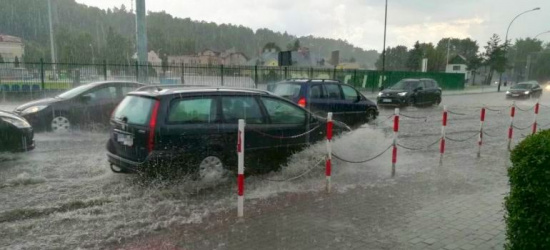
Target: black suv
411, 92
195, 130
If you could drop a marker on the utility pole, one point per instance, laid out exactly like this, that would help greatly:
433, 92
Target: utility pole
52, 43
141, 39
381, 78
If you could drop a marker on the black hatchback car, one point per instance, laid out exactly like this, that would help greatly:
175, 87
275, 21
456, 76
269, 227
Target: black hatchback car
195, 130
83, 105
16, 133
322, 96
411, 92
524, 90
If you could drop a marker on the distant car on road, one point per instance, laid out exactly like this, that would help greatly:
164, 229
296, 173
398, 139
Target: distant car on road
195, 130
529, 89
322, 96
16, 134
411, 92
83, 105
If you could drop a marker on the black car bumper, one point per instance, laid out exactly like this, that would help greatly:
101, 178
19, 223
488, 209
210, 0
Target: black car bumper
517, 96
17, 140
391, 101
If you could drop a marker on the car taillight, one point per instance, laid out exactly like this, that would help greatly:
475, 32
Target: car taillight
302, 102
113, 112
152, 126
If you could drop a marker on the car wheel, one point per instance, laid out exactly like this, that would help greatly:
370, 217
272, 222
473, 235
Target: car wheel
211, 168
60, 124
411, 102
371, 115
437, 101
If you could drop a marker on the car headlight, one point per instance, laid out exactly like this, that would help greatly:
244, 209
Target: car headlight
16, 122
507, 92
526, 92
380, 93
402, 94
547, 87
33, 109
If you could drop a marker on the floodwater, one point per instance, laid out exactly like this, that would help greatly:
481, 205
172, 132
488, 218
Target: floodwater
63, 194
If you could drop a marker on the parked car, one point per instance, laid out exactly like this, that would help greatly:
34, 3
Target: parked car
83, 105
524, 90
322, 96
195, 130
411, 92
16, 134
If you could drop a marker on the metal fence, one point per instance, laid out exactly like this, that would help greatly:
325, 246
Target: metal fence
42, 77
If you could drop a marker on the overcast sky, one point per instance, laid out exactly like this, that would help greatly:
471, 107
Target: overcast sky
361, 22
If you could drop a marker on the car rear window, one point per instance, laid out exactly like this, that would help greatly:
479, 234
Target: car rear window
135, 109
287, 90
193, 110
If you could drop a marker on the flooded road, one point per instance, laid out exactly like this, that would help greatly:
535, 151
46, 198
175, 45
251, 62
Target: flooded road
63, 194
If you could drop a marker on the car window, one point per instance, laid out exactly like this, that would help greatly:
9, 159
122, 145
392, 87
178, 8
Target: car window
134, 109
241, 107
349, 93
316, 92
282, 112
333, 91
429, 84
102, 94
193, 110
287, 89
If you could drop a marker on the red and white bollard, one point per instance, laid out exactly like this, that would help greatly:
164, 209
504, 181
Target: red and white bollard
535, 119
240, 176
511, 128
395, 134
442, 141
328, 164
480, 138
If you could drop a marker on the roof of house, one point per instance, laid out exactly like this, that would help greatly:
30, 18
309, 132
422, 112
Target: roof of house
9, 39
458, 59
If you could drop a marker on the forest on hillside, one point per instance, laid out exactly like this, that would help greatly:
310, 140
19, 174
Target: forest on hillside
84, 34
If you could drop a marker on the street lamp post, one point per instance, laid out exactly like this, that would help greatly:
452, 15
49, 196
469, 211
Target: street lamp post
542, 33
384, 48
506, 40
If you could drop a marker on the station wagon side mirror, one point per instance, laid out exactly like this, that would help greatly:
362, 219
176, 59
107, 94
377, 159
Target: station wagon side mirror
418, 88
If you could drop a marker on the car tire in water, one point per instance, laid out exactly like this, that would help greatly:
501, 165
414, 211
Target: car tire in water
437, 101
211, 168
411, 102
60, 123
371, 115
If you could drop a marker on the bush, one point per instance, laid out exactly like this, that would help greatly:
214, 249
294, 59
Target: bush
528, 204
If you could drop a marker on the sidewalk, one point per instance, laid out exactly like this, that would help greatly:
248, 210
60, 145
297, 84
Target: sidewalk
457, 207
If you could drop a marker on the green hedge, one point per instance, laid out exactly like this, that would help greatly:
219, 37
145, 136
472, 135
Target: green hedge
528, 204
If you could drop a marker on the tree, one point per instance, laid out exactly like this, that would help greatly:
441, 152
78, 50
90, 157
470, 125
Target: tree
465, 47
117, 48
494, 57
396, 58
16, 62
518, 54
415, 58
352, 59
295, 46
473, 65
271, 45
